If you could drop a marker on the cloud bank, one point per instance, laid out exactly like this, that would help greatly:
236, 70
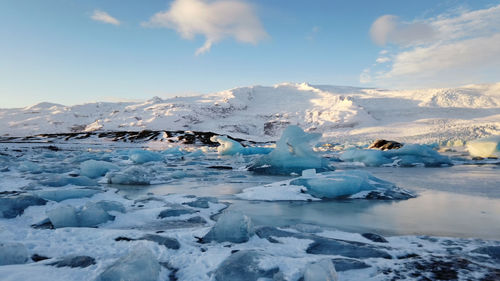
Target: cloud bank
104, 17
446, 50
215, 20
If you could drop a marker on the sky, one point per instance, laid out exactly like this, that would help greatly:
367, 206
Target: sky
73, 51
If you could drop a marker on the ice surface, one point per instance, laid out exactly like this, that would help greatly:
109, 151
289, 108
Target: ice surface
12, 253
322, 270
138, 265
130, 176
13, 205
231, 227
94, 169
293, 154
407, 156
486, 147
142, 156
231, 147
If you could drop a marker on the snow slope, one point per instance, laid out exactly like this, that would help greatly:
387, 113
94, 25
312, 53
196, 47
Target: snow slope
341, 114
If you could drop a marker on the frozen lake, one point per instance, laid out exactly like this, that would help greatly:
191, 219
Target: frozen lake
458, 201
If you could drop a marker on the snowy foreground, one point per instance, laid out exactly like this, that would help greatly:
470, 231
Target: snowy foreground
341, 114
73, 210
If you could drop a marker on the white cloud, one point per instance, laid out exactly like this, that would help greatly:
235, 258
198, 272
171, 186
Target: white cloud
390, 29
460, 48
216, 20
104, 17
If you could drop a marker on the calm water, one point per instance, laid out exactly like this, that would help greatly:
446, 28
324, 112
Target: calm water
458, 201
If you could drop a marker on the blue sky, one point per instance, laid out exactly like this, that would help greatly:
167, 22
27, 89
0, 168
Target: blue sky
62, 51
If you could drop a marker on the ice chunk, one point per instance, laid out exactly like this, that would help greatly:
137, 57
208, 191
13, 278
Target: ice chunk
58, 181
138, 265
94, 169
408, 155
202, 202
340, 183
74, 261
130, 176
411, 154
231, 147
322, 270
13, 253
231, 227
28, 166
143, 156
243, 266
293, 154
92, 215
13, 205
59, 194
63, 216
109, 206
486, 147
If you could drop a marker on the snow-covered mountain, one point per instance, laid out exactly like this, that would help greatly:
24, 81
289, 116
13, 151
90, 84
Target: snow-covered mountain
260, 113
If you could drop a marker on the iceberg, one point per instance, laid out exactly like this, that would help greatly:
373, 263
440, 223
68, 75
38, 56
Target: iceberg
13, 253
63, 216
142, 156
94, 169
58, 181
293, 154
231, 147
138, 265
232, 227
486, 147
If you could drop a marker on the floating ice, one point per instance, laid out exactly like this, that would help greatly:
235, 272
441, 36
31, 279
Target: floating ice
13, 253
231, 147
328, 185
322, 270
293, 154
231, 227
340, 183
13, 205
138, 265
487, 147
142, 156
130, 176
94, 169
407, 156
74, 261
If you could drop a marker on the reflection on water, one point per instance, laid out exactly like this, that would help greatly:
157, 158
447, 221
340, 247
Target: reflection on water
460, 201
